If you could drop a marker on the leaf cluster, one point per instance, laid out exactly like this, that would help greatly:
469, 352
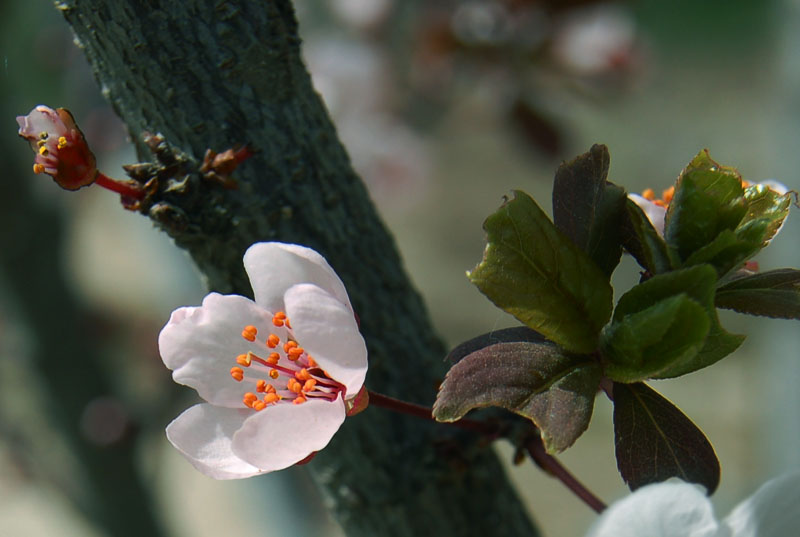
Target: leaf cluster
554, 276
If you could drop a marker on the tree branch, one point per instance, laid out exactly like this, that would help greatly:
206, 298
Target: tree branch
212, 73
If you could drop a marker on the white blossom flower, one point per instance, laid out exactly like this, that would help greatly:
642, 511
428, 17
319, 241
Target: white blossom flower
678, 509
278, 373
60, 147
656, 209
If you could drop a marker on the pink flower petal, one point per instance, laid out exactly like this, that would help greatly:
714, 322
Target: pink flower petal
273, 267
203, 434
201, 344
670, 509
655, 213
771, 512
284, 434
328, 331
41, 119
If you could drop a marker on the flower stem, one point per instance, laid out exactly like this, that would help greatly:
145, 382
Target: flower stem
549, 463
130, 189
420, 411
534, 445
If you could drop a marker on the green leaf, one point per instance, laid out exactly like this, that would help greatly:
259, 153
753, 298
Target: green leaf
765, 206
532, 271
504, 335
773, 294
588, 209
536, 380
648, 343
641, 239
708, 199
656, 441
697, 283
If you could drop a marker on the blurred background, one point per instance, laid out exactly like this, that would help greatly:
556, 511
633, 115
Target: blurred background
444, 107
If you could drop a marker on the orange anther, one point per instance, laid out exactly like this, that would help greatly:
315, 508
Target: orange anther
274, 373
311, 362
299, 400
272, 341
309, 385
289, 345
303, 374
295, 353
62, 142
237, 373
38, 168
259, 405
294, 386
249, 332
243, 359
249, 398
288, 324
279, 318
270, 388
273, 358
667, 194
272, 398
261, 386
649, 194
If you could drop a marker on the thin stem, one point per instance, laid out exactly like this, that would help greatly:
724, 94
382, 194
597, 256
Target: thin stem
534, 445
421, 411
130, 189
538, 453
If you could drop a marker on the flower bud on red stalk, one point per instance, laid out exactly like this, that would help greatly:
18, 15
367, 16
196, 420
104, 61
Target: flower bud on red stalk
62, 152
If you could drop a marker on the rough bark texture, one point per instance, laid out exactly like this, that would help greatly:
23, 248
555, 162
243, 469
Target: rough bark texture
208, 74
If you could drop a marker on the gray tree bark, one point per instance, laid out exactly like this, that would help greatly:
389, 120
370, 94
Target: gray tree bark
212, 73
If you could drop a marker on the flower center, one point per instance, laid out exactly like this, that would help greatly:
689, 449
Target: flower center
287, 374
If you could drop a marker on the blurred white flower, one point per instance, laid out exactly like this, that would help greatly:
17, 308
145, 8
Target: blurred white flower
678, 509
270, 403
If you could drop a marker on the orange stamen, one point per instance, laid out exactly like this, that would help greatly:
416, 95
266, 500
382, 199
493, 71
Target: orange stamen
38, 168
273, 358
279, 318
272, 341
649, 194
272, 398
667, 195
311, 361
273, 374
259, 405
249, 398
270, 388
295, 353
309, 385
244, 359
249, 332
303, 374
294, 386
289, 345
237, 373
299, 400
261, 386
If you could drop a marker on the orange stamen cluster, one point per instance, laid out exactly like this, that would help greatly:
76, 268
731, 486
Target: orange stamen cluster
666, 196
303, 378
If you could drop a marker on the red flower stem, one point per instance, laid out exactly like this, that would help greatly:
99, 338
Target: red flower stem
549, 463
424, 412
125, 188
534, 446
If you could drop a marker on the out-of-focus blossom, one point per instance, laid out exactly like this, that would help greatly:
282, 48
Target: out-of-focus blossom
61, 150
678, 509
279, 374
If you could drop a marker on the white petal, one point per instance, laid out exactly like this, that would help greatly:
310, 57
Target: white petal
41, 119
203, 434
655, 213
200, 345
328, 331
273, 267
773, 511
284, 434
670, 509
